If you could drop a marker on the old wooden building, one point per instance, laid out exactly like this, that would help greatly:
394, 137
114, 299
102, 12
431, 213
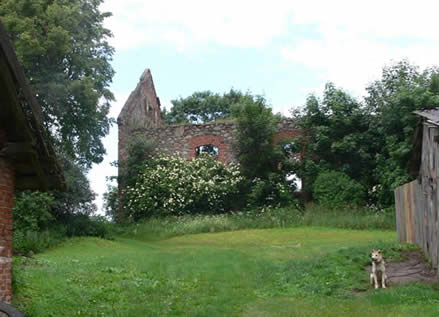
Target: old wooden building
417, 203
27, 159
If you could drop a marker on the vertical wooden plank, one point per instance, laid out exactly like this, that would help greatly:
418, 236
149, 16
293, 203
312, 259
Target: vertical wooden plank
435, 242
398, 212
432, 197
425, 189
416, 210
425, 214
413, 186
403, 213
419, 209
409, 209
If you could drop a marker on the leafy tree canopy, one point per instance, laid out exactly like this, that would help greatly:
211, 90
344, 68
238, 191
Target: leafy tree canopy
203, 107
78, 198
63, 48
264, 164
336, 137
391, 100
256, 127
369, 141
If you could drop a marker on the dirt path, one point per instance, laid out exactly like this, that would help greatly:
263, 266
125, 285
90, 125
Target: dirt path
415, 268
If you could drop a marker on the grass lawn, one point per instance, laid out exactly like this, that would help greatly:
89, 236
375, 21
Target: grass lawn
304, 271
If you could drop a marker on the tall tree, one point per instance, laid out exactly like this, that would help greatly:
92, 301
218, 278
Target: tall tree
263, 163
78, 198
402, 89
63, 48
256, 127
336, 138
203, 107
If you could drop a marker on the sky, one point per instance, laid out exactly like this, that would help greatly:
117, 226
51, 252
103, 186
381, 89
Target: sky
284, 50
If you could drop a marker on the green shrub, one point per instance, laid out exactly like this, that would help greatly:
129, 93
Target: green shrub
83, 225
139, 149
175, 186
332, 188
111, 202
273, 191
30, 242
32, 211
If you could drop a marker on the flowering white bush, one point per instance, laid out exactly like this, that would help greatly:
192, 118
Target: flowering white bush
171, 185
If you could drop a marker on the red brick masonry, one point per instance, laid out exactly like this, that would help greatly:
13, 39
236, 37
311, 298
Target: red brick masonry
217, 140
6, 204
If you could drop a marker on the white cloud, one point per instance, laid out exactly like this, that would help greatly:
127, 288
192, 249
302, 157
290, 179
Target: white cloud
344, 41
352, 42
182, 24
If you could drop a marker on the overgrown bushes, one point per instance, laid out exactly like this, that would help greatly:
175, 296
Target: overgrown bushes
174, 186
336, 189
32, 211
36, 228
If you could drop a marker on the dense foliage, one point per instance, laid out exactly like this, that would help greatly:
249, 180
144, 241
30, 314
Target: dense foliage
336, 137
264, 164
255, 148
336, 189
203, 107
32, 211
369, 141
39, 225
139, 150
63, 48
78, 198
391, 101
175, 186
111, 202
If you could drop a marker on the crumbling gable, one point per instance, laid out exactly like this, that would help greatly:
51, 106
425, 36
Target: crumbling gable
142, 109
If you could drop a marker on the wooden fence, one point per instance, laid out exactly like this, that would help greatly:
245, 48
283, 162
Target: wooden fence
417, 218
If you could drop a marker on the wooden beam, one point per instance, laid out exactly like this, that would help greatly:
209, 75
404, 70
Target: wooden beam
21, 118
33, 182
18, 149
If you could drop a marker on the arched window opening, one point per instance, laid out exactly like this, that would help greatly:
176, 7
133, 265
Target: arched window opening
207, 148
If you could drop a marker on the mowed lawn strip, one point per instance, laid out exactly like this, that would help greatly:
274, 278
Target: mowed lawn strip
240, 273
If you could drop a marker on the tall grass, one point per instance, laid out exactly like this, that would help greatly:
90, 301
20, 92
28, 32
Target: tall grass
313, 215
162, 228
350, 218
31, 242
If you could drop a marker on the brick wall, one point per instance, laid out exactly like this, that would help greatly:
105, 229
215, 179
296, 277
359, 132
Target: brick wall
184, 139
6, 204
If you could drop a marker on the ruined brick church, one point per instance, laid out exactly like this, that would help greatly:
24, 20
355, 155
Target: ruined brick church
141, 116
